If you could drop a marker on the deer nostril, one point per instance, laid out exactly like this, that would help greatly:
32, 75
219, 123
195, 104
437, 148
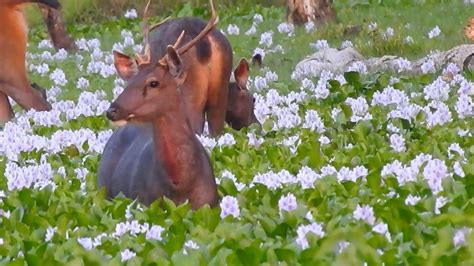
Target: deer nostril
111, 113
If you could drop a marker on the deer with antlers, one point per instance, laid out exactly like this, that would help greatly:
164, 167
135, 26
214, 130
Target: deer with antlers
208, 64
161, 156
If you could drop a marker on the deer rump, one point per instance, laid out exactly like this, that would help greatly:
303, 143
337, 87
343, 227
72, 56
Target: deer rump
130, 148
208, 66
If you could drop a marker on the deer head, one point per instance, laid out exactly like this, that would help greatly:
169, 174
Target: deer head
241, 103
152, 85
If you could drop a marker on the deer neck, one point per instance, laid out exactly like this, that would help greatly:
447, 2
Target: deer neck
176, 147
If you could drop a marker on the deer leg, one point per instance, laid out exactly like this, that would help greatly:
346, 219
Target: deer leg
6, 111
26, 96
57, 30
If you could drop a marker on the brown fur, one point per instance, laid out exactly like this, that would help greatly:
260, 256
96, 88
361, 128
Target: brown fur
208, 64
160, 155
13, 75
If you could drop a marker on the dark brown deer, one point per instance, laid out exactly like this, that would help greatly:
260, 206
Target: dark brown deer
160, 155
240, 103
13, 77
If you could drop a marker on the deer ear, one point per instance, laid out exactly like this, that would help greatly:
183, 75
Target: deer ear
175, 65
241, 74
125, 65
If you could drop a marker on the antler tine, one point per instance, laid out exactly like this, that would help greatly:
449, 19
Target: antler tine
146, 26
178, 41
145, 57
159, 23
210, 25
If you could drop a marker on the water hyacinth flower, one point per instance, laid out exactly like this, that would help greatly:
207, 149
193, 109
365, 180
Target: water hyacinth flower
409, 40
440, 202
389, 32
434, 173
306, 177
233, 29
229, 206
455, 147
50, 233
127, 254
266, 38
286, 28
435, 32
372, 26
397, 142
254, 140
358, 66
226, 140
131, 14
86, 242
313, 121
382, 228
360, 109
154, 233
45, 44
412, 200
346, 44
464, 106
304, 230
341, 246
458, 169
428, 66
191, 244
257, 19
309, 26
402, 64
324, 140
459, 238
320, 45
251, 31
58, 77
364, 213
82, 83
287, 203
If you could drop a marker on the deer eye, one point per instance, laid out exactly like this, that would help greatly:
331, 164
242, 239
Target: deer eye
154, 84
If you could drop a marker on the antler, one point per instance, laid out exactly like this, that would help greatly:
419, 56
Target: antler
159, 23
210, 25
145, 58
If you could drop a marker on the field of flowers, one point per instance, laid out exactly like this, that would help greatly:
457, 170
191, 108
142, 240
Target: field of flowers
349, 168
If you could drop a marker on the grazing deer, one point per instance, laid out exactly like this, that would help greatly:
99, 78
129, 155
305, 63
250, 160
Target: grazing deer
240, 103
13, 77
161, 156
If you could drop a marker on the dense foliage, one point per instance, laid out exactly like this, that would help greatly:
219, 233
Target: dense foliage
347, 168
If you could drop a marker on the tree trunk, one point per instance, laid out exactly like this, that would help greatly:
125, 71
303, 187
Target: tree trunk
299, 12
57, 29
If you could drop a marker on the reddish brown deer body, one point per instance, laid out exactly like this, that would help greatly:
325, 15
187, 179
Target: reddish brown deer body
13, 77
160, 156
210, 66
